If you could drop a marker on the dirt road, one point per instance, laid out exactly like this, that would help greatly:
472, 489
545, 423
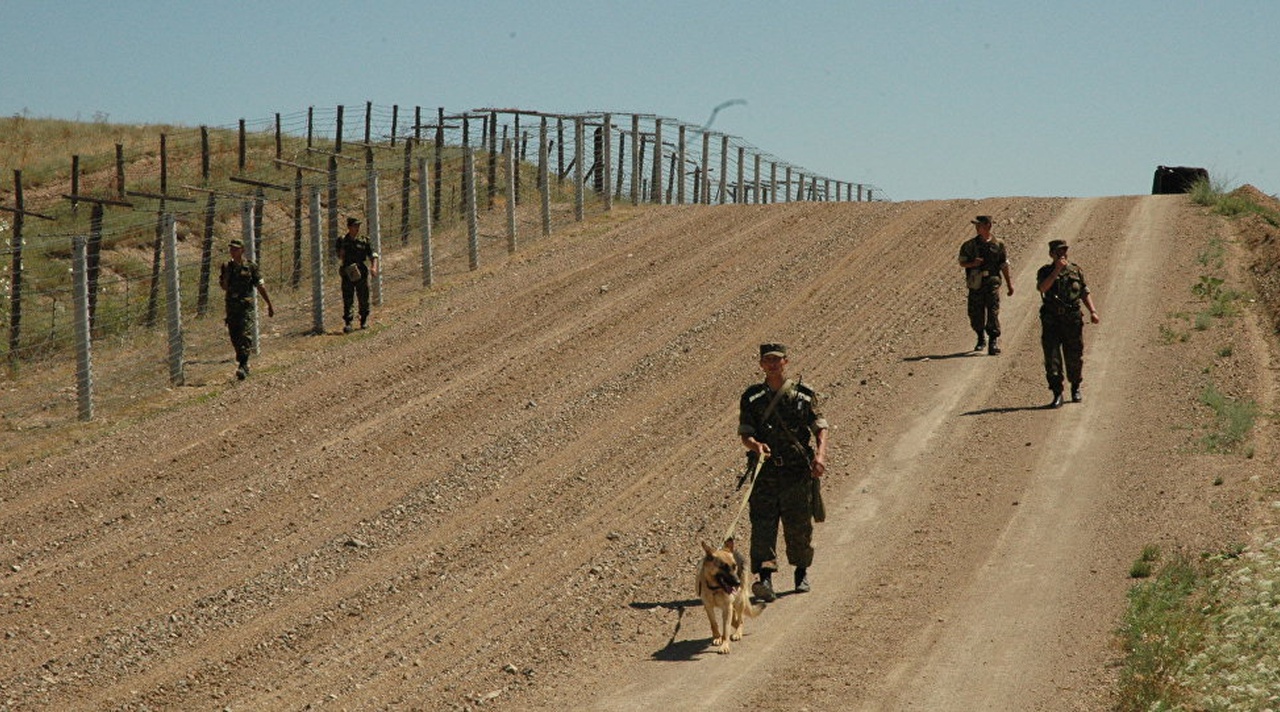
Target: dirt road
493, 499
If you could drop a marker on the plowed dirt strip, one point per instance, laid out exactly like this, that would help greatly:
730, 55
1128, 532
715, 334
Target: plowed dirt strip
495, 496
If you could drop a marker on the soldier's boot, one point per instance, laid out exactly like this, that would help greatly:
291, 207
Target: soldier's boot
982, 342
993, 348
802, 579
346, 328
763, 589
1057, 400
1076, 397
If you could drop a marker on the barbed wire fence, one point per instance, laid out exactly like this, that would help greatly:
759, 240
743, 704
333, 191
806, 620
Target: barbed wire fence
95, 262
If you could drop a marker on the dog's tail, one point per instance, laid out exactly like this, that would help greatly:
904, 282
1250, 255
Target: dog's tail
754, 609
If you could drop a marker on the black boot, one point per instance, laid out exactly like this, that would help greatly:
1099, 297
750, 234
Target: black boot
992, 347
1057, 400
1075, 393
982, 342
763, 589
802, 579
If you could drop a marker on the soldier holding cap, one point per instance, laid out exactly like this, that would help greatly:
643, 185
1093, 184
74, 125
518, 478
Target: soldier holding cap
239, 278
1062, 289
776, 419
985, 261
353, 250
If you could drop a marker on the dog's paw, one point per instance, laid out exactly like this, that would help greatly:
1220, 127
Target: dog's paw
736, 636
724, 648
718, 641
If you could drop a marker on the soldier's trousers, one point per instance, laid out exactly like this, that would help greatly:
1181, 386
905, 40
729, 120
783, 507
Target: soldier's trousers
352, 292
240, 329
984, 311
781, 496
1062, 338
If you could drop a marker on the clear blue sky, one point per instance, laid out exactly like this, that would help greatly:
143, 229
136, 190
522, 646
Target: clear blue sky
924, 99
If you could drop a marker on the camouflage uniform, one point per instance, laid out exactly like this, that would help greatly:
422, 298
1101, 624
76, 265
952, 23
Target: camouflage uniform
240, 280
1062, 326
782, 489
984, 283
355, 250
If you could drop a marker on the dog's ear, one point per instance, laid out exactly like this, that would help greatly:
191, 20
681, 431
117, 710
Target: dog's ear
728, 544
707, 548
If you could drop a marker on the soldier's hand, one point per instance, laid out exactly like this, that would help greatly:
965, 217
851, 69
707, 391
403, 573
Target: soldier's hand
818, 468
1010, 289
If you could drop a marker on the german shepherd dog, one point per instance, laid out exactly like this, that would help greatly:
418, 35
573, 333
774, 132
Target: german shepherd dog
720, 586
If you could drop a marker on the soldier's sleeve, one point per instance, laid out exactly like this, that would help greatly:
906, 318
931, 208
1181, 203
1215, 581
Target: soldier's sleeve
965, 252
747, 425
1084, 286
816, 420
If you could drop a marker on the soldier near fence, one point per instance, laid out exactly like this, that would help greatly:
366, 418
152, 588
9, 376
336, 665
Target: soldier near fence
776, 420
1063, 290
239, 278
358, 261
985, 262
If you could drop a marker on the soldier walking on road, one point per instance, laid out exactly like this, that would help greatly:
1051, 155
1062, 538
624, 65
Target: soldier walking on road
984, 260
239, 278
775, 420
1062, 289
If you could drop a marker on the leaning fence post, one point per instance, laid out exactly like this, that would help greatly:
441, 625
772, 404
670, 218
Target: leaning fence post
655, 190
84, 362
174, 310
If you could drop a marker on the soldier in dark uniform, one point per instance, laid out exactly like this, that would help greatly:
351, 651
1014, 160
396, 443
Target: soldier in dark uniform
239, 278
984, 260
1062, 289
353, 251
776, 419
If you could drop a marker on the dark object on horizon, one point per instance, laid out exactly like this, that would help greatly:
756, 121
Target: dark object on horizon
1176, 179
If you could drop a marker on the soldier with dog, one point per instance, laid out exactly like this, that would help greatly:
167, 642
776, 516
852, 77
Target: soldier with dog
777, 418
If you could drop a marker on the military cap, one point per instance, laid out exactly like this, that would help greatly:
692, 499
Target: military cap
1055, 244
353, 221
773, 350
981, 220
234, 244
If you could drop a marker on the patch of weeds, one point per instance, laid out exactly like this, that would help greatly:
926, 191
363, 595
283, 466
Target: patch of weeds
1233, 420
1170, 335
1202, 321
1226, 351
1142, 566
1162, 628
1213, 255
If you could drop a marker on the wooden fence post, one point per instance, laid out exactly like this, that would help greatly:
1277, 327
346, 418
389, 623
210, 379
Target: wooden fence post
606, 164
543, 181
635, 159
579, 155
508, 155
206, 255
469, 200
424, 207
174, 301
724, 167
317, 263
655, 190
84, 361
680, 165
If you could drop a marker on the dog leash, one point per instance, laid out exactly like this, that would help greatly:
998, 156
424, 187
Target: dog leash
746, 496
